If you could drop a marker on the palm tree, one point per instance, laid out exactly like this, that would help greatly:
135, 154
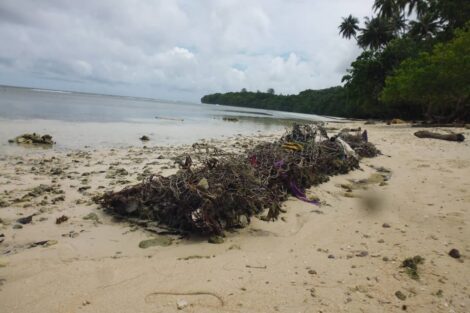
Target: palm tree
386, 8
349, 27
377, 32
421, 6
398, 24
425, 27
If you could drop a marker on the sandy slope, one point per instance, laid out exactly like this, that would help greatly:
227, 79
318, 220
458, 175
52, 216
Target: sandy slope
338, 257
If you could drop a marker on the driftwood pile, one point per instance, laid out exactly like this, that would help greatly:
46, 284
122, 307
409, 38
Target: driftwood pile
225, 192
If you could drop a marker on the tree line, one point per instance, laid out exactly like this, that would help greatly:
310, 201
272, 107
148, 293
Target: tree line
415, 64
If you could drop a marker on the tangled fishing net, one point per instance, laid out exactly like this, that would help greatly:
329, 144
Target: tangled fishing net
225, 192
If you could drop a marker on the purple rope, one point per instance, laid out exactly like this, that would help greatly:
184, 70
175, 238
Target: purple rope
299, 194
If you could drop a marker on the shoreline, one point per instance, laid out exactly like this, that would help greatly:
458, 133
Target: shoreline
335, 258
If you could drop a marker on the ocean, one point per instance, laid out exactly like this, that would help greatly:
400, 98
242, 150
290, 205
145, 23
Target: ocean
77, 120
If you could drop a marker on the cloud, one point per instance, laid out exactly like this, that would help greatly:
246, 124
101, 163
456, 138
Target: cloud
175, 49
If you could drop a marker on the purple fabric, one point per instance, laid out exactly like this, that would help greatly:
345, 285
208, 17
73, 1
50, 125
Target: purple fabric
279, 164
299, 194
364, 136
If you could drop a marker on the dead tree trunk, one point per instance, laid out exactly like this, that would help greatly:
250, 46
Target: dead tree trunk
431, 125
448, 137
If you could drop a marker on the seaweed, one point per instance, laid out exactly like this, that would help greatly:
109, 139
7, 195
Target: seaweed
411, 266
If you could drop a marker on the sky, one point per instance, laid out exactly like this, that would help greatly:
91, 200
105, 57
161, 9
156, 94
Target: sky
175, 49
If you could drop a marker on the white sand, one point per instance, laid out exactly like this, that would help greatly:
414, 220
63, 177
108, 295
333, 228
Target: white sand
281, 266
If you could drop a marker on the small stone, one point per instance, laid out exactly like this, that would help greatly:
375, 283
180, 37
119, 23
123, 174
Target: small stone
362, 254
181, 304
400, 295
25, 220
61, 219
160, 241
86, 302
312, 292
385, 259
17, 226
144, 138
50, 243
91, 216
312, 272
216, 239
331, 256
3, 204
386, 225
3, 263
454, 253
73, 234
234, 247
83, 188
56, 171
58, 199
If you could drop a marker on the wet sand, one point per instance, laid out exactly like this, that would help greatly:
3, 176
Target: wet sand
343, 256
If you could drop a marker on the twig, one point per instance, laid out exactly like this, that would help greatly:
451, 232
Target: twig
258, 267
195, 293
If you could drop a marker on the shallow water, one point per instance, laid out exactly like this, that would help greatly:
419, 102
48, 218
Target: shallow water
76, 120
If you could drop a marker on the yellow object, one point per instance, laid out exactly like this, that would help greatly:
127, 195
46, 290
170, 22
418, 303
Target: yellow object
397, 121
292, 146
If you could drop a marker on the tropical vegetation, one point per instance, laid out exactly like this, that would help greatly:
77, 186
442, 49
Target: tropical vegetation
414, 65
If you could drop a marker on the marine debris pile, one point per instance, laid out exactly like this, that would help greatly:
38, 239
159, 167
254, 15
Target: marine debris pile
225, 192
33, 139
359, 142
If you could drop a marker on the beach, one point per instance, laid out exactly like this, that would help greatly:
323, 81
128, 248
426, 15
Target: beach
344, 255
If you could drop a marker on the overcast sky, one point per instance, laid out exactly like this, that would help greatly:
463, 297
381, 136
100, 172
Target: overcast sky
178, 50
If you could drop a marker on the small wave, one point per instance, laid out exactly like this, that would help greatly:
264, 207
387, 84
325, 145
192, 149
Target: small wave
52, 91
249, 112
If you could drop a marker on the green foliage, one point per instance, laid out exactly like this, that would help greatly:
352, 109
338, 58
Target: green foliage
437, 83
430, 82
454, 13
425, 27
414, 65
366, 78
431, 18
386, 8
377, 33
331, 101
349, 27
